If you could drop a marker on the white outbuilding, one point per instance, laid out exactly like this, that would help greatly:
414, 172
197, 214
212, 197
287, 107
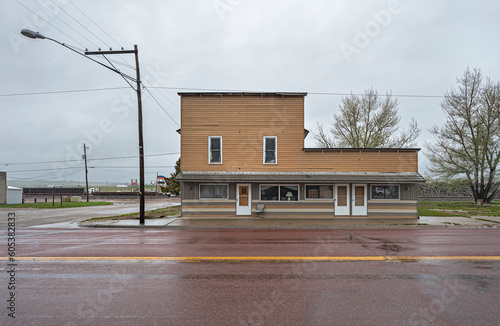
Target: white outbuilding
14, 195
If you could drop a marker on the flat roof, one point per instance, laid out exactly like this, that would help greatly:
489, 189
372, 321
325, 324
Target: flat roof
340, 149
240, 93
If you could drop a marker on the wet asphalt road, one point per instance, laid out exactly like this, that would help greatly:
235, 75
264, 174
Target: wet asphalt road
123, 277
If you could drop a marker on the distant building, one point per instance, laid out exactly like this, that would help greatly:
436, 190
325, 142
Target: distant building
243, 154
3, 188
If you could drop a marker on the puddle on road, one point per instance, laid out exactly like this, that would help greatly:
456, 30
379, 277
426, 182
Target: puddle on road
482, 265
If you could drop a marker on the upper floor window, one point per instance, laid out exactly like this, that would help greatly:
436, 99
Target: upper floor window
270, 149
215, 150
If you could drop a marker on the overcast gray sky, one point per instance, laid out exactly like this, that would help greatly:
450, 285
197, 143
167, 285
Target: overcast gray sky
403, 47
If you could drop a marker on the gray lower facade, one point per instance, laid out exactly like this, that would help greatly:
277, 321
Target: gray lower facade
299, 195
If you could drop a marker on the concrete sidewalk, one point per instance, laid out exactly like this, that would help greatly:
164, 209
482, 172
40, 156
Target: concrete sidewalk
274, 223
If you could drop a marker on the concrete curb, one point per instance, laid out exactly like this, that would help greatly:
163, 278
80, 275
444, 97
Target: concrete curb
179, 223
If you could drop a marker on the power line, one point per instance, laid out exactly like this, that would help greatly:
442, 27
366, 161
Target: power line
147, 89
214, 90
78, 22
309, 93
110, 61
94, 23
363, 94
131, 167
66, 91
101, 143
47, 10
125, 157
128, 65
36, 170
49, 23
54, 171
46, 175
147, 71
93, 159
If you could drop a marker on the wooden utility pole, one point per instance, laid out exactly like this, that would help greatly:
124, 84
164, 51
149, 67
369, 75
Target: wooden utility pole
141, 143
86, 171
139, 111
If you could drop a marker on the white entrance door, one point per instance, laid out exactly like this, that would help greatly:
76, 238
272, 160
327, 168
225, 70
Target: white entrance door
243, 199
342, 199
359, 200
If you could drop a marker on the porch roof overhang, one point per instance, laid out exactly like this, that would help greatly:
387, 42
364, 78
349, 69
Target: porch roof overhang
302, 177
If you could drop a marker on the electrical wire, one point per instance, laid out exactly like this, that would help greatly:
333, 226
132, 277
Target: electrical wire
94, 22
56, 16
37, 170
126, 157
161, 107
215, 90
126, 79
45, 175
92, 159
309, 93
131, 167
58, 170
159, 83
66, 91
49, 23
77, 21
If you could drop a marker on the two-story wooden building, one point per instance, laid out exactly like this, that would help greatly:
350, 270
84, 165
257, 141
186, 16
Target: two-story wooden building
242, 154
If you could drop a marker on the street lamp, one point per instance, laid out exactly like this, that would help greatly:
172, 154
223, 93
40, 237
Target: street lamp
36, 35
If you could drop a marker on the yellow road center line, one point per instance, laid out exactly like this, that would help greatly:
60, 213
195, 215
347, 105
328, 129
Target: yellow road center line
263, 258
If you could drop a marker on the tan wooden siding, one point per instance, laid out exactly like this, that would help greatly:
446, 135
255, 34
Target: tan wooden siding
243, 121
364, 161
211, 208
392, 209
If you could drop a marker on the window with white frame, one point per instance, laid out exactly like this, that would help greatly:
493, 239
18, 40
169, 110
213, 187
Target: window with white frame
270, 149
215, 150
279, 193
385, 191
319, 191
213, 191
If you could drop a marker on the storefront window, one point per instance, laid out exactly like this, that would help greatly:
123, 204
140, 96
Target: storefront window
385, 192
319, 191
279, 192
213, 191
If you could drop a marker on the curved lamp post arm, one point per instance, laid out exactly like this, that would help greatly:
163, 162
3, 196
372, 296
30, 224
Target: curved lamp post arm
35, 35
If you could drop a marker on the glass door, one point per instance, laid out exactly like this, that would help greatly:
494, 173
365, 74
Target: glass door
243, 199
342, 207
359, 200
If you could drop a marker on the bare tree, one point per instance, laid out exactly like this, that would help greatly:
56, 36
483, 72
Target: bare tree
367, 121
469, 142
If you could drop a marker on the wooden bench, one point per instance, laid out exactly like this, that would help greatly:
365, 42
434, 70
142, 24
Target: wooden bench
259, 209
